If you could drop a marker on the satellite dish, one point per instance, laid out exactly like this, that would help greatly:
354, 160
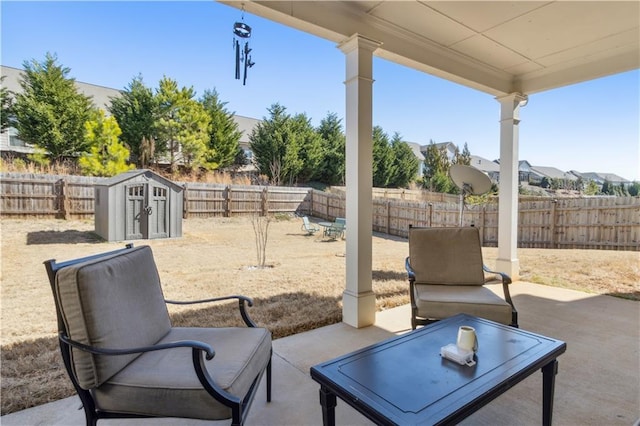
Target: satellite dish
470, 180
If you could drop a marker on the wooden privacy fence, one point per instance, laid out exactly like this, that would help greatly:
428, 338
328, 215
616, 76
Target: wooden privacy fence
589, 223
209, 200
586, 223
72, 197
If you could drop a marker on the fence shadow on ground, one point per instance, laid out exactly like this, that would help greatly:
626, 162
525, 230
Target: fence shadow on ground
70, 236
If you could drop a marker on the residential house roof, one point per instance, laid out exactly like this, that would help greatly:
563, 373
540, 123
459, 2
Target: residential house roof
484, 165
600, 177
553, 173
100, 95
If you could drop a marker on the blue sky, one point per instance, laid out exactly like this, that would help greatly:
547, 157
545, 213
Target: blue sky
591, 126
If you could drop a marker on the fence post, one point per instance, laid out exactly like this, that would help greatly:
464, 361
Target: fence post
227, 201
430, 214
185, 201
554, 238
326, 213
63, 201
264, 202
481, 220
388, 217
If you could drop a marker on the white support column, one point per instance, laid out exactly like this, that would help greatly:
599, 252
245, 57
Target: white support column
358, 299
507, 260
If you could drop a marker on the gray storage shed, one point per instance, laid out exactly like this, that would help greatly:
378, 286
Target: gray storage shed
138, 204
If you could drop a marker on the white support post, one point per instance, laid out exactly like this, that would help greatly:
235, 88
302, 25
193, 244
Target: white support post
358, 299
507, 260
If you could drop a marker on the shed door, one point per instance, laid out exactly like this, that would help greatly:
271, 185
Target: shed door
158, 211
135, 215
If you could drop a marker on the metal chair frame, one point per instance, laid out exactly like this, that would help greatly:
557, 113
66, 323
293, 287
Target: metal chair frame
200, 352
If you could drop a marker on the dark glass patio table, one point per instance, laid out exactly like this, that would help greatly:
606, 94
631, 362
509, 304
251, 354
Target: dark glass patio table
404, 380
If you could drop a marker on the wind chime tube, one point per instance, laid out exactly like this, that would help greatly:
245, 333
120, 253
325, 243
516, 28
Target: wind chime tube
237, 48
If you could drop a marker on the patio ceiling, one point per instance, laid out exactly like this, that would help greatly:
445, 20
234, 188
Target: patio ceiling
497, 47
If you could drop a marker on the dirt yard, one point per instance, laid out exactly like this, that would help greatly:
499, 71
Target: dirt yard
216, 257
300, 290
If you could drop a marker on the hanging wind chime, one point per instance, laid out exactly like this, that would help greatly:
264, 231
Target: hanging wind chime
242, 32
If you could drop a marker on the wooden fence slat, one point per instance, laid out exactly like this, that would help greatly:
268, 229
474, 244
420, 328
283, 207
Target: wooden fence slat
611, 223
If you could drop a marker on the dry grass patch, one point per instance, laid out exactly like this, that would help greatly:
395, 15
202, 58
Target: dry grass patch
302, 290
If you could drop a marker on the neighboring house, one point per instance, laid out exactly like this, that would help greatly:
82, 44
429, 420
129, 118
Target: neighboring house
600, 178
491, 168
246, 126
524, 171
417, 151
539, 172
449, 147
101, 96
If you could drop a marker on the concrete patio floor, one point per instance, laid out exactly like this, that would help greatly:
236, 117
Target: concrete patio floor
598, 382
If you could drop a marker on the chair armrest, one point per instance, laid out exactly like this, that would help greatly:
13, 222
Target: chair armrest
200, 346
241, 304
506, 280
410, 272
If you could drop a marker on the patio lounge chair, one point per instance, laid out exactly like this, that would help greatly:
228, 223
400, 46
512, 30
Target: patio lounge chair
447, 277
336, 230
126, 360
308, 227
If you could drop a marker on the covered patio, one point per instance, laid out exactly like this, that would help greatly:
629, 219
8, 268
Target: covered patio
597, 382
509, 50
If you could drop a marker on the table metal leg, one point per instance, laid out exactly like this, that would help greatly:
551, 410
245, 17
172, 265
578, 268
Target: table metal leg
549, 372
328, 403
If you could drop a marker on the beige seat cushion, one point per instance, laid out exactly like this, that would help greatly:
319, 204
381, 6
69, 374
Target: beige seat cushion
448, 256
164, 383
101, 301
442, 301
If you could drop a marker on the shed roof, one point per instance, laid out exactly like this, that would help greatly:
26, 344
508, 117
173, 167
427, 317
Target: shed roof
123, 177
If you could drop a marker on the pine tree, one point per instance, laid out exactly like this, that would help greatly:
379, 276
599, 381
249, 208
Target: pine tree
268, 143
224, 136
107, 156
333, 164
436, 171
311, 153
182, 127
50, 112
135, 111
383, 164
6, 106
406, 163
